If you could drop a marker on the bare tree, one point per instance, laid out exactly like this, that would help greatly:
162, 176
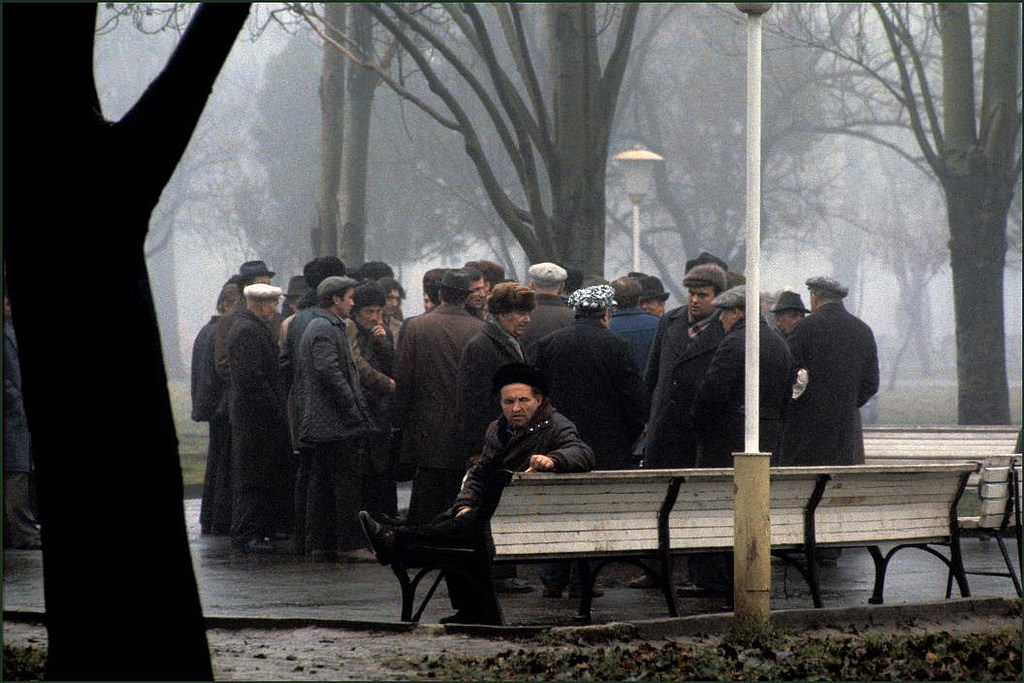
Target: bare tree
557, 144
905, 77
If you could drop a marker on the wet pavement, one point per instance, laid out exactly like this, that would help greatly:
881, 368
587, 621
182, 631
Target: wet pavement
283, 586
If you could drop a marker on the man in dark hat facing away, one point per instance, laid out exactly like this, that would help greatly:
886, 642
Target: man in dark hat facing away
788, 311
836, 355
529, 434
426, 380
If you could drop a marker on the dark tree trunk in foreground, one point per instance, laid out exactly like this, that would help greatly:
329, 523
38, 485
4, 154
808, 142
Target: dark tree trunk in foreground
121, 596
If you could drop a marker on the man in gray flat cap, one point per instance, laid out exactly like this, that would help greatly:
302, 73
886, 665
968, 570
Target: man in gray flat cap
334, 422
838, 353
547, 280
683, 346
718, 407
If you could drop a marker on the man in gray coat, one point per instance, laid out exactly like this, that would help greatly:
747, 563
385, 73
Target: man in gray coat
426, 379
838, 357
334, 421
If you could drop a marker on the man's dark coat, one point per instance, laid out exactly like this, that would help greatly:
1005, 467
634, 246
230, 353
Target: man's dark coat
488, 350
839, 353
674, 371
718, 408
638, 327
552, 313
207, 386
333, 408
426, 377
260, 443
593, 380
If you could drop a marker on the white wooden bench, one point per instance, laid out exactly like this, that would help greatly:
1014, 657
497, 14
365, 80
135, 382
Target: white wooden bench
991, 489
999, 488
643, 516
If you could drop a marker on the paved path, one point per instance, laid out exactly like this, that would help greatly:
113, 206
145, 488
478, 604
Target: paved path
284, 586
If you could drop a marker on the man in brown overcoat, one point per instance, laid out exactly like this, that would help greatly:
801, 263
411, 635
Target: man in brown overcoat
426, 378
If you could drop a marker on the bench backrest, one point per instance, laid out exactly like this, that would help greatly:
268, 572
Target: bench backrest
946, 443
995, 487
874, 504
545, 515
558, 515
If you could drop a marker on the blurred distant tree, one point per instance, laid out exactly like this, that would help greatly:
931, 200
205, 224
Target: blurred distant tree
558, 144
883, 63
121, 596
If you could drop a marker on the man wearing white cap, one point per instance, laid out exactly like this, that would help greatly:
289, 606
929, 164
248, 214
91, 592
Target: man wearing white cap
260, 444
547, 280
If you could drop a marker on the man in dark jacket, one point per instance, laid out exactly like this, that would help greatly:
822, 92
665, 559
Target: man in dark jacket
496, 344
837, 361
426, 377
631, 323
680, 355
717, 410
529, 434
260, 448
209, 404
787, 311
373, 352
593, 381
334, 421
547, 280
292, 328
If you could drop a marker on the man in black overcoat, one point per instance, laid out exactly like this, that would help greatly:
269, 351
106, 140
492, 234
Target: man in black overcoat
210, 404
684, 344
260, 444
837, 363
718, 408
547, 280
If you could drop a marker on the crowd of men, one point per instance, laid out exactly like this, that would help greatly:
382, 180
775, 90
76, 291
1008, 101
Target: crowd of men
317, 410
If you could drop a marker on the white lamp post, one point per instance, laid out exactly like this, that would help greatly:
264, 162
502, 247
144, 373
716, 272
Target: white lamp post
752, 520
638, 165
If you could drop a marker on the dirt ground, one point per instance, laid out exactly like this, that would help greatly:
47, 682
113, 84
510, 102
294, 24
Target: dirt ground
318, 653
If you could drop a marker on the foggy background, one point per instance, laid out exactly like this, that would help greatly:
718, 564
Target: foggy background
247, 187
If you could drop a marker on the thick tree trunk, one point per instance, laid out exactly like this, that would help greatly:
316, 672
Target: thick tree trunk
977, 223
121, 596
577, 188
162, 274
332, 104
361, 84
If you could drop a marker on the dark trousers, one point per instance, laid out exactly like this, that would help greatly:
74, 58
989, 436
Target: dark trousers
433, 491
250, 519
335, 497
380, 492
471, 592
301, 499
215, 509
20, 530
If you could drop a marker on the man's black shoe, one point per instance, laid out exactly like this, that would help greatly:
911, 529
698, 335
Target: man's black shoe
381, 538
467, 617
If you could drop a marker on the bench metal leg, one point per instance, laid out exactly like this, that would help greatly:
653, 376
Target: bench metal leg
881, 563
586, 591
1010, 564
667, 589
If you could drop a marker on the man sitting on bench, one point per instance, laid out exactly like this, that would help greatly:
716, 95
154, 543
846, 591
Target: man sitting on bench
529, 436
